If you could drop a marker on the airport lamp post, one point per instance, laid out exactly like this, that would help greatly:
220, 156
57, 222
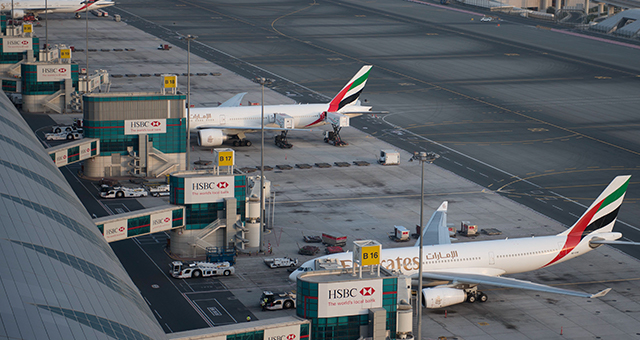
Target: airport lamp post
86, 14
422, 157
262, 81
188, 37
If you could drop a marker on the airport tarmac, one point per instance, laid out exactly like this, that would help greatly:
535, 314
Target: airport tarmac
364, 202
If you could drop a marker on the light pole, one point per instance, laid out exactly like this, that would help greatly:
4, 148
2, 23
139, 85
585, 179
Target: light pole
262, 81
422, 157
189, 37
86, 14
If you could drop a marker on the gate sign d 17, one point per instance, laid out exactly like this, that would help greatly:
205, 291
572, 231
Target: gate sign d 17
370, 255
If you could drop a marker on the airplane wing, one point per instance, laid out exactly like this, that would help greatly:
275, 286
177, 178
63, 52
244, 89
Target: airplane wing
436, 232
234, 101
353, 114
506, 282
229, 129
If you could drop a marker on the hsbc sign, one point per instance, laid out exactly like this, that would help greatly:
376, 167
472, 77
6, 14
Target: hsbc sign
61, 158
161, 221
115, 231
282, 333
16, 45
209, 189
53, 72
349, 298
145, 126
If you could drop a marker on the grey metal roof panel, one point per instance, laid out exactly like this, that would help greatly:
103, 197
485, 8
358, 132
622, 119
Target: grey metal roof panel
59, 279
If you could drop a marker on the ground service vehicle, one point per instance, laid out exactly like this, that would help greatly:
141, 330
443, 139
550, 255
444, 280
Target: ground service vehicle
334, 239
274, 301
280, 262
389, 157
158, 189
200, 269
121, 192
486, 19
68, 135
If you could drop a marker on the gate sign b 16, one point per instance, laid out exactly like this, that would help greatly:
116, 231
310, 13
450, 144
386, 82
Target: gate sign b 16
348, 298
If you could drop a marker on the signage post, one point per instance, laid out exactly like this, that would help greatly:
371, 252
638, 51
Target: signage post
366, 253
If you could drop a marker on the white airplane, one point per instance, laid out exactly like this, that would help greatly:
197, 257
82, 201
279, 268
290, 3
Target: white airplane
230, 121
453, 271
37, 7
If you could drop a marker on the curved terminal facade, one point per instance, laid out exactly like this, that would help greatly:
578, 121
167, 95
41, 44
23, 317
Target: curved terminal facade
59, 279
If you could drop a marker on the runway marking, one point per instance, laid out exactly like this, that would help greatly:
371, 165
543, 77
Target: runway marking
557, 207
158, 314
471, 169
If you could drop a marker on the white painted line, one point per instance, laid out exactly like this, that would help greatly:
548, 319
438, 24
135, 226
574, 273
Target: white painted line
481, 174
158, 314
170, 330
457, 163
471, 169
221, 306
557, 207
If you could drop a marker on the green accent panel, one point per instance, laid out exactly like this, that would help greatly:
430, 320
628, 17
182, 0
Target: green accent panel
73, 154
10, 85
177, 217
138, 225
101, 228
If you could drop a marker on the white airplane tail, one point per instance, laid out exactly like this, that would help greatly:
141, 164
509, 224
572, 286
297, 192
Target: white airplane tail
603, 212
351, 92
598, 219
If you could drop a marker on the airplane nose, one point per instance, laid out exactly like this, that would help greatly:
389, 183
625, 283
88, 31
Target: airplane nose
294, 276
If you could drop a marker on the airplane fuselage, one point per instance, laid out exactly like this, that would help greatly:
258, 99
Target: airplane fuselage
305, 115
53, 6
493, 258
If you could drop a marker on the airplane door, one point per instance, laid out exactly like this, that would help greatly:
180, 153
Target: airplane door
223, 120
272, 118
492, 258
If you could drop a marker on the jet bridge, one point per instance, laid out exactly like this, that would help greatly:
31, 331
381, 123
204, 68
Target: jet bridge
75, 151
141, 222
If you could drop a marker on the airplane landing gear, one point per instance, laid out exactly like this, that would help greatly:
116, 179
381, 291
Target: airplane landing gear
474, 296
242, 142
77, 16
281, 140
333, 137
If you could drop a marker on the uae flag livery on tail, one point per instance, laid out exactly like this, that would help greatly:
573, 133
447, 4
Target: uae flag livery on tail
351, 92
600, 217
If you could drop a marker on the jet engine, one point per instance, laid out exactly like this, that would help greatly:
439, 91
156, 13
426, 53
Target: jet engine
442, 297
17, 13
211, 137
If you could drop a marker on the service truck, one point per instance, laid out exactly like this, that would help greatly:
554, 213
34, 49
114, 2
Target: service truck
334, 239
197, 269
279, 262
68, 135
158, 189
273, 301
121, 192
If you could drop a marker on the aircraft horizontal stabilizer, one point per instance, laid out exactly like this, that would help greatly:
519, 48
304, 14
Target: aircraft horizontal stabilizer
620, 243
601, 293
234, 101
505, 282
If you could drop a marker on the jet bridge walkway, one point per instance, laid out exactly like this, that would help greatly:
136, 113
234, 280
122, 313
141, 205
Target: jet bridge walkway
75, 151
140, 222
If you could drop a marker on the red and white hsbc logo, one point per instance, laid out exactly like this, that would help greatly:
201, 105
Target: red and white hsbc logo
222, 185
367, 291
145, 126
